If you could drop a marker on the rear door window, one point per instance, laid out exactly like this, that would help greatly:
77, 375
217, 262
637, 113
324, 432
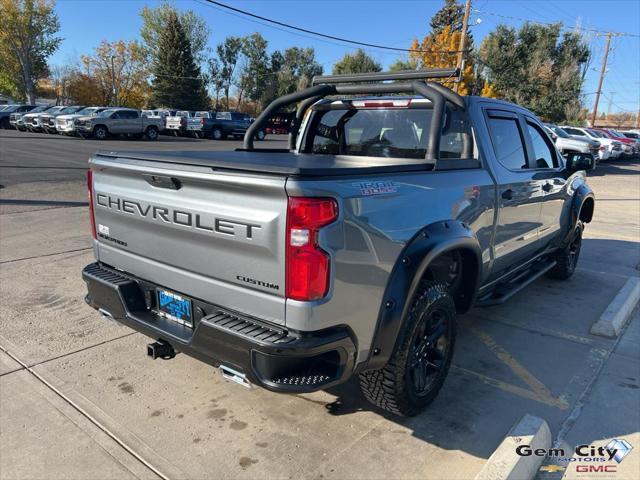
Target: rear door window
508, 142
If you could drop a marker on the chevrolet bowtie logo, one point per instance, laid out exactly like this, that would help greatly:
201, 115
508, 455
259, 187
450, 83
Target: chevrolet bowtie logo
552, 468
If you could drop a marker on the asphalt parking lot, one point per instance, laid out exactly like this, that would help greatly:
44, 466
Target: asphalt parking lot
80, 399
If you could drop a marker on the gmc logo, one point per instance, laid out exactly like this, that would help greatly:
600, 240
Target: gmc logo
596, 468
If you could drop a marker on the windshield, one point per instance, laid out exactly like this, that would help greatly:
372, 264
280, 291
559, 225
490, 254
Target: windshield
105, 113
87, 111
597, 134
402, 133
42, 108
9, 108
559, 132
69, 110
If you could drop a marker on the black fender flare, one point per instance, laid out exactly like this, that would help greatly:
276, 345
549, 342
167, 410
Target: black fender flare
430, 242
581, 195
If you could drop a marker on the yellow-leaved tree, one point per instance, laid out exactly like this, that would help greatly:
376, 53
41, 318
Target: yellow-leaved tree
129, 73
440, 50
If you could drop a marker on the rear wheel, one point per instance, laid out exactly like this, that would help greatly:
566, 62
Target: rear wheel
567, 258
100, 132
151, 133
417, 369
217, 134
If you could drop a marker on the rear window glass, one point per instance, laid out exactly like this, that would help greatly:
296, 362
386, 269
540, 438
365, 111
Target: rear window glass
402, 133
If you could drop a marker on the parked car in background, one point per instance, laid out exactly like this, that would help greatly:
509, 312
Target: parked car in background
5, 113
280, 123
16, 119
633, 136
232, 124
629, 148
66, 123
32, 121
199, 124
568, 144
177, 123
119, 121
613, 147
48, 119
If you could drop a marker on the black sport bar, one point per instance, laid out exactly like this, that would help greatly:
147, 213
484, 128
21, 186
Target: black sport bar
437, 94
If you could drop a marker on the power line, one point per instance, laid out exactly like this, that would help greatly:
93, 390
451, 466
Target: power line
324, 35
617, 34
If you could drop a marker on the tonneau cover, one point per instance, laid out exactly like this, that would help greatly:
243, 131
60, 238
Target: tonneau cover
280, 163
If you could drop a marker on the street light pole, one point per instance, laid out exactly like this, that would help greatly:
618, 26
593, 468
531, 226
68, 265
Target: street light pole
113, 83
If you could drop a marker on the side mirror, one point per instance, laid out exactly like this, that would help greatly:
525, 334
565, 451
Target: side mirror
580, 161
554, 137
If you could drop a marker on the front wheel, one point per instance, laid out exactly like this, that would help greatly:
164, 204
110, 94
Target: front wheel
100, 132
418, 367
567, 258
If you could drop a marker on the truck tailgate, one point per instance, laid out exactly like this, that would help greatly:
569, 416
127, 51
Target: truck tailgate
216, 236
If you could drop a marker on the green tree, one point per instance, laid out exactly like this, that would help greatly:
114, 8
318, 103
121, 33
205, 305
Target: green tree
155, 21
255, 68
450, 15
27, 38
177, 80
358, 62
290, 71
537, 67
229, 52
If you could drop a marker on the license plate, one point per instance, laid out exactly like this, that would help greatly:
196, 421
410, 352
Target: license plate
193, 127
175, 307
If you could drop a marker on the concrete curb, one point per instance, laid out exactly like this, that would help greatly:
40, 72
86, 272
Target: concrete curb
505, 463
614, 318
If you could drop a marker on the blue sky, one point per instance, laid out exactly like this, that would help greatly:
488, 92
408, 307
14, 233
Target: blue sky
388, 22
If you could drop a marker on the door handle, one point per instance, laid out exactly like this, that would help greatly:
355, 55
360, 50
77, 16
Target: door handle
547, 187
507, 194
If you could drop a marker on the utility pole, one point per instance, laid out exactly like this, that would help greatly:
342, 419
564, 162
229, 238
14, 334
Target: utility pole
604, 68
463, 42
113, 83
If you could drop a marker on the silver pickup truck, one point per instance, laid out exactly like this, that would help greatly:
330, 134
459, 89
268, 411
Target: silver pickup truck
348, 253
119, 121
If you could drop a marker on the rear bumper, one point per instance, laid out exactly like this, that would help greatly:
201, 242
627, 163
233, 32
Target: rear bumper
268, 355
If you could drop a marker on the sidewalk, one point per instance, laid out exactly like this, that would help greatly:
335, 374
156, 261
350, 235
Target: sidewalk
610, 410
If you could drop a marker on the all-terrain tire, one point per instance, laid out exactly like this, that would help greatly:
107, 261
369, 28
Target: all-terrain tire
567, 258
395, 387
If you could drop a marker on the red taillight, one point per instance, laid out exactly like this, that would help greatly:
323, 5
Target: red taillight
91, 212
308, 266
